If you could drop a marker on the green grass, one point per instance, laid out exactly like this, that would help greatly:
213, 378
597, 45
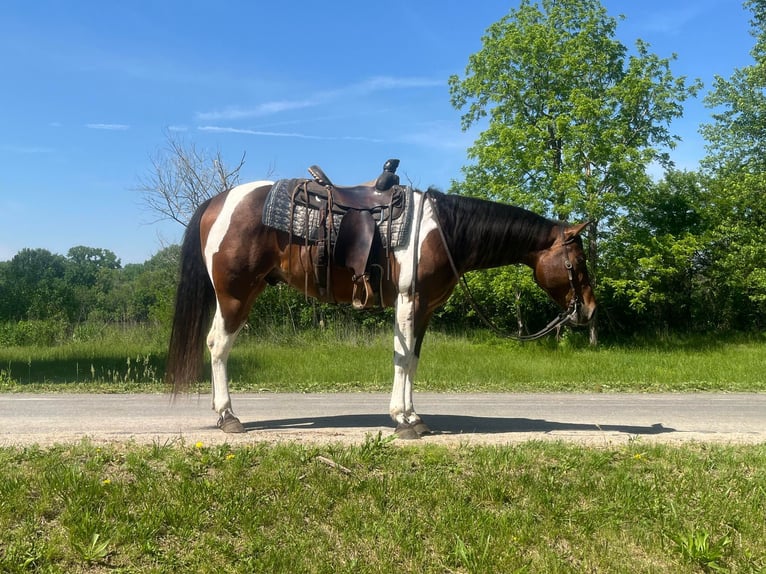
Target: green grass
361, 361
537, 507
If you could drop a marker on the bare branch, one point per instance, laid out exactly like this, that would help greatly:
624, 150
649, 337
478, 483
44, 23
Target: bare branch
182, 177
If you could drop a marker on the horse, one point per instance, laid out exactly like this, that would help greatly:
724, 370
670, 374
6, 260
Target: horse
229, 256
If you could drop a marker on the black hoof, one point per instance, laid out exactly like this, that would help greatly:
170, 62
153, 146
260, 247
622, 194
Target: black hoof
228, 423
422, 429
406, 431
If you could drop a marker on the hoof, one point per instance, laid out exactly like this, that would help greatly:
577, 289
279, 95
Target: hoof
422, 429
228, 423
406, 431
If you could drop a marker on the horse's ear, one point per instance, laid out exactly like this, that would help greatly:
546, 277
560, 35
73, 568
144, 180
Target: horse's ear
574, 230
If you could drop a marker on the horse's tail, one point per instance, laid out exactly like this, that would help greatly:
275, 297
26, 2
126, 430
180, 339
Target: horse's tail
193, 311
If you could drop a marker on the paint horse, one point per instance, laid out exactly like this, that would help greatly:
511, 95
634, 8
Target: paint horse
229, 256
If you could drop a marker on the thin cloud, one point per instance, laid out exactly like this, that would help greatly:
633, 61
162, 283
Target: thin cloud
366, 87
108, 127
379, 83
264, 133
265, 109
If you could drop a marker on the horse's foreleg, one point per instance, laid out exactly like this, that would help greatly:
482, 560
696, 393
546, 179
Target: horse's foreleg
407, 340
220, 342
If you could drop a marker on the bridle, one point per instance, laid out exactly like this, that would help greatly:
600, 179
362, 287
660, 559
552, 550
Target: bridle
567, 316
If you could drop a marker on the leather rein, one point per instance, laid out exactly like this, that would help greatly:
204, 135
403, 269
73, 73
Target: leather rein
567, 316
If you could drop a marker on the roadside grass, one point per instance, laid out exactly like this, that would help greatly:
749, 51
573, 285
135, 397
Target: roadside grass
360, 360
382, 507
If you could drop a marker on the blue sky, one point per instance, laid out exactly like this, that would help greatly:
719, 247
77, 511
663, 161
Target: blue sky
90, 89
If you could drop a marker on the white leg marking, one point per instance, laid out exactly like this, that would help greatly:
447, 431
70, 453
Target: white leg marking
219, 342
401, 407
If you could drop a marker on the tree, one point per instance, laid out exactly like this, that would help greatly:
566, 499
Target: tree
574, 120
85, 264
88, 274
182, 177
35, 280
737, 166
654, 264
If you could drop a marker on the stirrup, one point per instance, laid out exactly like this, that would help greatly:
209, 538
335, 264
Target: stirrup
367, 298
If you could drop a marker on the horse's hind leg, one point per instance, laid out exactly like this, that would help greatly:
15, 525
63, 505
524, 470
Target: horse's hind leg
230, 315
219, 342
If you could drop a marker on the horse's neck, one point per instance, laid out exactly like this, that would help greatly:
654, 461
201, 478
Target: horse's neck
487, 234
500, 249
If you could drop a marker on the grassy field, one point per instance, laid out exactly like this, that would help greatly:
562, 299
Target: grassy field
382, 507
317, 362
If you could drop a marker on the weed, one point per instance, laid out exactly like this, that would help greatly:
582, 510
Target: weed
699, 548
376, 447
94, 551
7, 383
473, 559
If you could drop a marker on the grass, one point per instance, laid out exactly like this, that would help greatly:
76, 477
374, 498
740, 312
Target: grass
361, 361
382, 507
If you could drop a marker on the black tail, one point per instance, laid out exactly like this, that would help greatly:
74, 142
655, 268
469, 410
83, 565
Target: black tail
193, 312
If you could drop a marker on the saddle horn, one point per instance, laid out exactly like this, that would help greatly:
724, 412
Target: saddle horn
388, 178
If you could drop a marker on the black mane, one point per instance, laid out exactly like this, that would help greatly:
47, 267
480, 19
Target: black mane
483, 234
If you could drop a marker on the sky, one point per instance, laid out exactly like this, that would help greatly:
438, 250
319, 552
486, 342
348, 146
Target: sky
90, 91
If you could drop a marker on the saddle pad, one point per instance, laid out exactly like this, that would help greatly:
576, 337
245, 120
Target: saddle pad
304, 222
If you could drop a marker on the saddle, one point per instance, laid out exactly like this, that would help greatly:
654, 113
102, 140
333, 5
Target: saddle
356, 243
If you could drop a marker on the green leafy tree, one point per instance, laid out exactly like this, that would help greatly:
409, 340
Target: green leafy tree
37, 286
654, 264
87, 262
88, 276
573, 119
737, 166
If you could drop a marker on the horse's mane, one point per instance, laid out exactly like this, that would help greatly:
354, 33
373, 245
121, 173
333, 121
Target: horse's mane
483, 233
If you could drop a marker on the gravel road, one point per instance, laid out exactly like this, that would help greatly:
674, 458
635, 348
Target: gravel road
590, 419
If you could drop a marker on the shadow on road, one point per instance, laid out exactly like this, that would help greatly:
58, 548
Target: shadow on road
454, 424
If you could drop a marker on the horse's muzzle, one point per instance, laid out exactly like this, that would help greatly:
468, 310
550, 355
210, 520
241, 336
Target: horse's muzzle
584, 314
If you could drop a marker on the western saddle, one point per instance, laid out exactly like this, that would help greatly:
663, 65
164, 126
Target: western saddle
357, 245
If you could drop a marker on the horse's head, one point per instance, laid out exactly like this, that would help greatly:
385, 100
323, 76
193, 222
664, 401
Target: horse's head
560, 271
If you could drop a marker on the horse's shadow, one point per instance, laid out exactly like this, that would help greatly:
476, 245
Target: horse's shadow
454, 424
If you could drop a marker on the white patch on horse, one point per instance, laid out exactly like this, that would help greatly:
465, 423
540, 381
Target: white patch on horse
404, 254
221, 226
401, 407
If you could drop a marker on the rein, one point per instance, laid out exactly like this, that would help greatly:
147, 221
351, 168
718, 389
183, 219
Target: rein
565, 317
